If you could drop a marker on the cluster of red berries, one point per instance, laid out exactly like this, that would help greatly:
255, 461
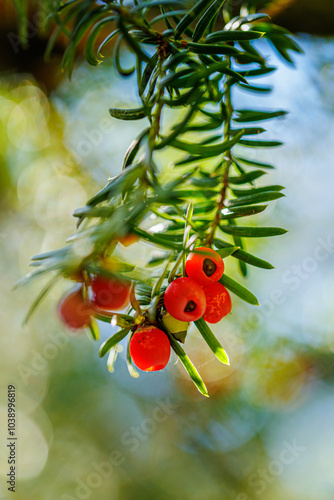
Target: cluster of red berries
186, 299
108, 294
200, 294
149, 347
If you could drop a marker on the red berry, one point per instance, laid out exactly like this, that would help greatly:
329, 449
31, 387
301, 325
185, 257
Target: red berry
218, 302
74, 311
110, 293
128, 239
206, 267
185, 299
150, 349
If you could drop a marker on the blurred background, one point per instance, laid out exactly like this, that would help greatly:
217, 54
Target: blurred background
267, 429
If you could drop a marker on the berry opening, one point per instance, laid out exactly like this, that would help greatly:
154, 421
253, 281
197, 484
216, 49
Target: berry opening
209, 267
191, 306
184, 300
205, 266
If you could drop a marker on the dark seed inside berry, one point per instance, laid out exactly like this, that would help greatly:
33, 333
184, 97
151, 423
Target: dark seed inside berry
209, 267
191, 306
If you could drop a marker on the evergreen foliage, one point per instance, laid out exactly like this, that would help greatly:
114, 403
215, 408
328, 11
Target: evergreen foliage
191, 67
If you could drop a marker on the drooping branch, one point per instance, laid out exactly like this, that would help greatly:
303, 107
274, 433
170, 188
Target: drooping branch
228, 111
194, 67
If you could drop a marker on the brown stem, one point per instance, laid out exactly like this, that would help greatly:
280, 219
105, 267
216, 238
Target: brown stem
133, 300
134, 20
156, 116
227, 159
